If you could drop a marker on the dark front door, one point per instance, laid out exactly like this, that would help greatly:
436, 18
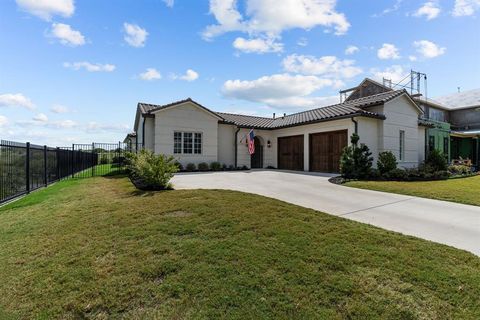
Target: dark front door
256, 159
290, 153
326, 149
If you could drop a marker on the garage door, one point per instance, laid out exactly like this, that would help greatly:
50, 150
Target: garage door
290, 153
326, 149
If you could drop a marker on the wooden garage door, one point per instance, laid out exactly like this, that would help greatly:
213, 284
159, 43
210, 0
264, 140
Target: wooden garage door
326, 149
290, 153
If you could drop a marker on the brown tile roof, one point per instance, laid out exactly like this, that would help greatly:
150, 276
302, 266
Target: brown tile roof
337, 111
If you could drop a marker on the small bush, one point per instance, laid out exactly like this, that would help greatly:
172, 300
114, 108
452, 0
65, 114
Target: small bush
386, 162
231, 167
224, 167
152, 172
459, 170
215, 166
104, 159
244, 167
191, 167
436, 161
203, 166
356, 161
179, 166
396, 174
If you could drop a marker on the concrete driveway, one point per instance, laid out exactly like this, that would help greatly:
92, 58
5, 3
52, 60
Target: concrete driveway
449, 223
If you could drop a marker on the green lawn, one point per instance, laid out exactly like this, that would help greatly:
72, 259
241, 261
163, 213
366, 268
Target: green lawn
97, 248
464, 190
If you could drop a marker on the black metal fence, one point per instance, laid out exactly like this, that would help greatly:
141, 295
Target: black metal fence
25, 167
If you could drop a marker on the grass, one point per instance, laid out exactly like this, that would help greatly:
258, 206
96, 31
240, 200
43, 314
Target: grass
461, 190
98, 248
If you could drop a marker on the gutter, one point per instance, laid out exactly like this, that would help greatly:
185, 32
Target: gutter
356, 124
235, 144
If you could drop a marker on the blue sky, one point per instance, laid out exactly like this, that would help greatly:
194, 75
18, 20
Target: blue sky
73, 71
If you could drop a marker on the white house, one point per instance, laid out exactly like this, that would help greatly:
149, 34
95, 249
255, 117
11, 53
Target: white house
307, 141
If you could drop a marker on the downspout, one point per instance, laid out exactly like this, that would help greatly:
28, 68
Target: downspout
356, 124
235, 144
143, 132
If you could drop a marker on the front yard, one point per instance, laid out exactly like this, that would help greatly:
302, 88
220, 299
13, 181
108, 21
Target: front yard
463, 190
98, 248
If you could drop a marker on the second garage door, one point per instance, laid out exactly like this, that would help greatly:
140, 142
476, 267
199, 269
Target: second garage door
326, 149
290, 153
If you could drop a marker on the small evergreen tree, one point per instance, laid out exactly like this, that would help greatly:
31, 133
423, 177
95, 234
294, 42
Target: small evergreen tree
356, 160
386, 162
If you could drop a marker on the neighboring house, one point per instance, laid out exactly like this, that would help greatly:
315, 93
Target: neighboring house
311, 140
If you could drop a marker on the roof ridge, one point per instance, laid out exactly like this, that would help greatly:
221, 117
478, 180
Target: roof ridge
243, 115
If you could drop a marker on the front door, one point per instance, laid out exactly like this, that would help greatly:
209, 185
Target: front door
256, 159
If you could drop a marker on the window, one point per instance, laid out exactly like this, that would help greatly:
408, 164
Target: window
431, 143
437, 114
197, 146
187, 142
177, 142
401, 154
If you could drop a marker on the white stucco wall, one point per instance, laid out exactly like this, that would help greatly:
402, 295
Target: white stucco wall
402, 115
226, 144
369, 130
149, 133
186, 118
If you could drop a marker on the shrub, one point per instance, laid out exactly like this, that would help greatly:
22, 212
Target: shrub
203, 166
104, 159
179, 165
151, 171
215, 166
224, 167
386, 162
396, 174
191, 167
459, 170
244, 167
231, 167
437, 161
356, 161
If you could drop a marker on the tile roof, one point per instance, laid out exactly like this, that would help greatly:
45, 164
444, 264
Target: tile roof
470, 98
336, 111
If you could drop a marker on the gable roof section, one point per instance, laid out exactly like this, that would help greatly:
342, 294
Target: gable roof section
347, 109
461, 100
147, 108
365, 88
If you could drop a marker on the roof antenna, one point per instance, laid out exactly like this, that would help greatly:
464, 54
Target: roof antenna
458, 89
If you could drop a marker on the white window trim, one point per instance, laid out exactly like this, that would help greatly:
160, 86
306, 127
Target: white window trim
193, 143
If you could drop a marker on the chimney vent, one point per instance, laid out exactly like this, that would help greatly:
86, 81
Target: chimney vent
274, 115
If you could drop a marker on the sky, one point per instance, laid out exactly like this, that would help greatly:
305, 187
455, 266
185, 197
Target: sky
74, 71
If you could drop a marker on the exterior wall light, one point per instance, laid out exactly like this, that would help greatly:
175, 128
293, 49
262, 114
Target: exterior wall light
269, 144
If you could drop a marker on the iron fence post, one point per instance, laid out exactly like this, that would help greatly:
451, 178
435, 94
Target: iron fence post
27, 169
45, 173
92, 158
73, 160
57, 155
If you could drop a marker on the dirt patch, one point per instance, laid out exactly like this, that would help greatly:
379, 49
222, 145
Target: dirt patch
178, 214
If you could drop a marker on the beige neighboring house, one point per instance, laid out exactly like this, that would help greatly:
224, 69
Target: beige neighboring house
311, 140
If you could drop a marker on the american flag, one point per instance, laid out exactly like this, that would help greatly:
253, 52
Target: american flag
251, 142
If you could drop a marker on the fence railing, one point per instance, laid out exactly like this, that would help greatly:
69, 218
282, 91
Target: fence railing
25, 167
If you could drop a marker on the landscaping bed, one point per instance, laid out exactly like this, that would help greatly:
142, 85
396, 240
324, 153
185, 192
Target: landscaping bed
99, 248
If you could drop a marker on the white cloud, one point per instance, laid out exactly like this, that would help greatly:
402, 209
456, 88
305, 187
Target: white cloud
396, 73
16, 100
134, 35
46, 9
266, 17
394, 8
40, 117
429, 9
63, 124
412, 58
99, 127
66, 35
90, 67
169, 3
190, 75
150, 74
388, 51
3, 121
428, 49
302, 42
59, 109
328, 66
257, 45
351, 50
465, 7
279, 90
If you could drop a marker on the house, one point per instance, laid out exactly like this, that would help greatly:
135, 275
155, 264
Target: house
311, 140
